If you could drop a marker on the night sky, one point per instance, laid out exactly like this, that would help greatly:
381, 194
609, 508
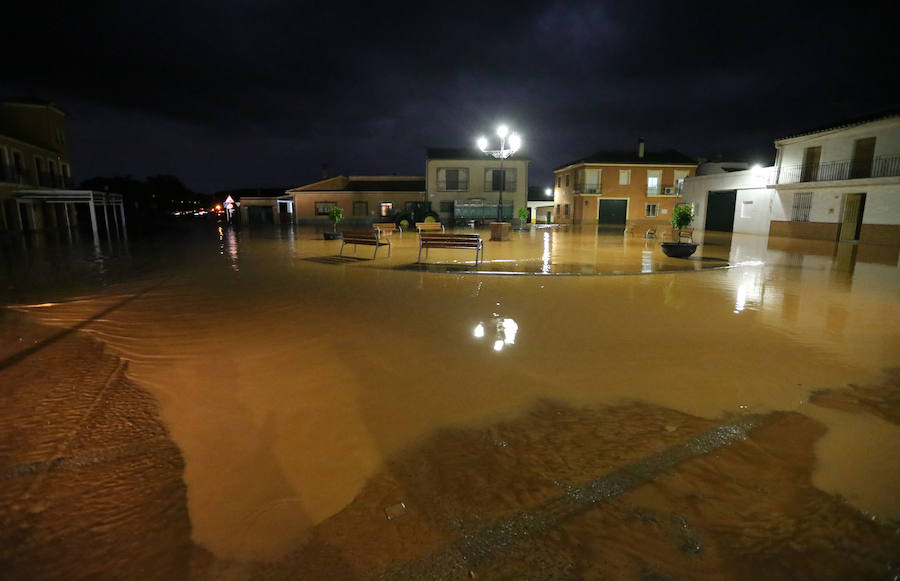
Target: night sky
263, 93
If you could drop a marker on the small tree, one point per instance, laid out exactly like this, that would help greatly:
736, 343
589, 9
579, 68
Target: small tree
336, 214
682, 216
523, 214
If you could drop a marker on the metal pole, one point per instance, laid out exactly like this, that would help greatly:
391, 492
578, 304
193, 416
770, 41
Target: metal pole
122, 212
502, 183
93, 220
106, 215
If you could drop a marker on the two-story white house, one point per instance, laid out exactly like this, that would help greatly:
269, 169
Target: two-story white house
840, 182
466, 184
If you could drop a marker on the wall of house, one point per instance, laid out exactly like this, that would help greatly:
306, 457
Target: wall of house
305, 205
584, 208
838, 144
476, 186
41, 125
751, 192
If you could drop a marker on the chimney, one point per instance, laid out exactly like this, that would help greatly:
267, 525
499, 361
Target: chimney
641, 148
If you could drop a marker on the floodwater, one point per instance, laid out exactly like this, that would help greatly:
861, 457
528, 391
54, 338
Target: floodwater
353, 417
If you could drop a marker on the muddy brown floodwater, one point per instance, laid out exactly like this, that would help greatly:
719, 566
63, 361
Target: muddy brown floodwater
246, 405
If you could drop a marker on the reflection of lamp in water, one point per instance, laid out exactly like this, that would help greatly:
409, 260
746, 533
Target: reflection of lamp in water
505, 332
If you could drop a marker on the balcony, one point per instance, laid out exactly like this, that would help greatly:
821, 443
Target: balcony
453, 186
586, 188
846, 169
668, 191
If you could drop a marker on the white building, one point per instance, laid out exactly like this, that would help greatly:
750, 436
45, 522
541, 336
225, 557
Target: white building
836, 183
737, 201
466, 184
840, 182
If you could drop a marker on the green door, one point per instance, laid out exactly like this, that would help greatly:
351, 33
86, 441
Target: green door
612, 212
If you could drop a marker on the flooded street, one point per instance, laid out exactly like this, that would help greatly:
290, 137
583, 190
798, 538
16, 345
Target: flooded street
578, 406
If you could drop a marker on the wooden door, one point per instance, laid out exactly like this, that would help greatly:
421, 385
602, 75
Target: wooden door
851, 220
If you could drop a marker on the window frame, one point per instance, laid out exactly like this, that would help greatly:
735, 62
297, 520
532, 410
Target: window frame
647, 208
626, 173
365, 205
381, 208
327, 211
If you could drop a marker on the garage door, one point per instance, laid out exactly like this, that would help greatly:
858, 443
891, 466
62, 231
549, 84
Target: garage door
612, 212
720, 211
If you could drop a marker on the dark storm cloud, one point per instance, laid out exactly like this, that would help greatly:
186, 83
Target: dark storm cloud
230, 94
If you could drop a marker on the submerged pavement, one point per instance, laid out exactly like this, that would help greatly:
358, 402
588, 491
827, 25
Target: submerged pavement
308, 394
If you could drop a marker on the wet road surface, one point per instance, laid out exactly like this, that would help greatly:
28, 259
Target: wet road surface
308, 397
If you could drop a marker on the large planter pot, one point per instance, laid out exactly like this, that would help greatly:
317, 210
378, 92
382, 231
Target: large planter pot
333, 235
499, 230
678, 249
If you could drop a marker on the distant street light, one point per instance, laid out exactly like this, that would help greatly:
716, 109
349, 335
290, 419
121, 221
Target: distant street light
515, 142
548, 192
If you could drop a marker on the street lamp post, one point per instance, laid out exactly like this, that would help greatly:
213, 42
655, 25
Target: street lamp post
515, 142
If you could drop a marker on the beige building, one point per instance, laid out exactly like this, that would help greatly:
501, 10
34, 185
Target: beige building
364, 199
616, 188
466, 184
34, 155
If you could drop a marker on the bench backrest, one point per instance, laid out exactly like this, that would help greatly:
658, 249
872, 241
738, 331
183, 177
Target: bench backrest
352, 237
386, 227
437, 238
429, 226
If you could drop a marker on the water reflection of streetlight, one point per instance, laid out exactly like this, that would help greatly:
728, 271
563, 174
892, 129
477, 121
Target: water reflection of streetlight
505, 331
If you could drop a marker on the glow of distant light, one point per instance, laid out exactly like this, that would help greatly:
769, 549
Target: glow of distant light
482, 143
548, 192
479, 331
498, 345
510, 328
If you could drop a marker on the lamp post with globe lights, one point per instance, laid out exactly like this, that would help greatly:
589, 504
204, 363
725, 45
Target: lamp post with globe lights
509, 144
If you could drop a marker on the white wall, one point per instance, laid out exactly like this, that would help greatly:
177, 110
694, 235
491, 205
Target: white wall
838, 144
751, 187
882, 205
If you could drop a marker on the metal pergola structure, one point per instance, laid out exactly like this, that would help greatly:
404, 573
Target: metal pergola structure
104, 200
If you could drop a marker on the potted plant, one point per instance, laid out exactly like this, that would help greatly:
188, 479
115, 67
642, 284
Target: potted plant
336, 214
682, 216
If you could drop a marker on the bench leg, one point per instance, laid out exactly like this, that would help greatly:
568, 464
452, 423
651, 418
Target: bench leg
341, 253
376, 251
389, 249
419, 259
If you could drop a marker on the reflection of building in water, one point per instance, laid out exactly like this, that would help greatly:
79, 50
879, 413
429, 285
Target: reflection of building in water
504, 332
228, 245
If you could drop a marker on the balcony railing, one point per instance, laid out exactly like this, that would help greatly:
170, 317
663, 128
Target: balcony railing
10, 174
845, 169
453, 186
586, 188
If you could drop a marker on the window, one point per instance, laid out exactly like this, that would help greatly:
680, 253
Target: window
624, 177
567, 209
453, 179
567, 180
323, 208
651, 210
680, 174
446, 207
386, 209
653, 178
592, 181
802, 206
493, 178
558, 181
360, 208
557, 209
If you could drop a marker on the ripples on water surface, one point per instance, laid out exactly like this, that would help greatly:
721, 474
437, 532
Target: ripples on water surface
307, 394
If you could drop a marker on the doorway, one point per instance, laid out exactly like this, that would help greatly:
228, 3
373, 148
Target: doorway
851, 219
612, 212
720, 210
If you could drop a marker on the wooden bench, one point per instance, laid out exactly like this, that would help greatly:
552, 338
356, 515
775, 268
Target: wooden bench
386, 228
366, 239
684, 235
459, 241
429, 226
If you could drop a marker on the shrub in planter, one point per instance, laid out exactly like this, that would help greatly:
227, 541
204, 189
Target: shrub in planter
336, 214
682, 216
